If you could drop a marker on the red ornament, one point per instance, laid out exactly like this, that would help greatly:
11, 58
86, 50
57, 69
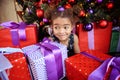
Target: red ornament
37, 4
67, 6
109, 5
44, 1
82, 13
103, 23
40, 13
71, 1
41, 23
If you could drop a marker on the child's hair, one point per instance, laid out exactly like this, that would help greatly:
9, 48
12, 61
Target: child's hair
53, 13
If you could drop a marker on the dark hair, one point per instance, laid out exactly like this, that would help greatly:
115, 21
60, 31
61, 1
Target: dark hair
53, 13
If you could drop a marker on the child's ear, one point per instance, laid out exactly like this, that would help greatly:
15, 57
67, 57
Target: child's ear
50, 31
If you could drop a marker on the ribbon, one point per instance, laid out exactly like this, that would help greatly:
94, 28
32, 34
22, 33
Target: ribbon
52, 56
91, 56
91, 39
53, 59
117, 28
102, 69
17, 31
4, 64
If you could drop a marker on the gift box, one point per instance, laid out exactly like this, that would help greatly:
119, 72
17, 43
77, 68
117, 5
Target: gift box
17, 34
108, 70
79, 66
96, 39
20, 70
46, 60
115, 41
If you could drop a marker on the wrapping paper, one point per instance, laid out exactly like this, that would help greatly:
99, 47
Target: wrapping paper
4, 64
96, 39
10, 35
37, 61
20, 70
115, 42
79, 67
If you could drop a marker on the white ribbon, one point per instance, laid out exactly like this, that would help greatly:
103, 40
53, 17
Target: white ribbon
91, 39
4, 62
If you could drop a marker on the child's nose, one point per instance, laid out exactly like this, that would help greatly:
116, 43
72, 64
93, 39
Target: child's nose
61, 30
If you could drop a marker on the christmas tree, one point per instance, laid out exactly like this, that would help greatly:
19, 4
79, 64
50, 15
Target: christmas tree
87, 11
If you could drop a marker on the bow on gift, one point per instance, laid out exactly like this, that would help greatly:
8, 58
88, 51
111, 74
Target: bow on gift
52, 56
53, 60
100, 72
17, 31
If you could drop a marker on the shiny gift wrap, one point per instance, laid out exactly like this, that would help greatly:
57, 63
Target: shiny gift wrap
96, 39
17, 34
79, 67
20, 70
46, 62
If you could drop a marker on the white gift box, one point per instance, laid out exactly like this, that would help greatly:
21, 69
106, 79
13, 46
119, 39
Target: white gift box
37, 61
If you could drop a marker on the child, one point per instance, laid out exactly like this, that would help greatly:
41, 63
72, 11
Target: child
62, 23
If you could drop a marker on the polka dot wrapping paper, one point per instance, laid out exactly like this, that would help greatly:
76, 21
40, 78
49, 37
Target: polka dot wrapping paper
6, 38
79, 66
20, 70
37, 61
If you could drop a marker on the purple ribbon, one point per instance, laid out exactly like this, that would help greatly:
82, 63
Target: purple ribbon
17, 31
100, 72
91, 56
53, 60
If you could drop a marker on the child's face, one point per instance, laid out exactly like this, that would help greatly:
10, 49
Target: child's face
62, 28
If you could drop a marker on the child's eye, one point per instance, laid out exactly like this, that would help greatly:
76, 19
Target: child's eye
66, 27
56, 27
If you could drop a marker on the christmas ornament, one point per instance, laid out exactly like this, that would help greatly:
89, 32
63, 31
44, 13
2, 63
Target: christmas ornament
41, 23
28, 10
40, 13
99, 1
90, 11
67, 6
103, 23
37, 4
109, 5
71, 1
44, 1
82, 13
61, 8
88, 27
45, 20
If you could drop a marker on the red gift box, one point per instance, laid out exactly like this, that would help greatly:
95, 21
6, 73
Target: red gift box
79, 66
96, 39
6, 38
20, 70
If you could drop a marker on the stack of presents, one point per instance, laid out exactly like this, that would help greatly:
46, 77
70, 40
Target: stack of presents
23, 57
